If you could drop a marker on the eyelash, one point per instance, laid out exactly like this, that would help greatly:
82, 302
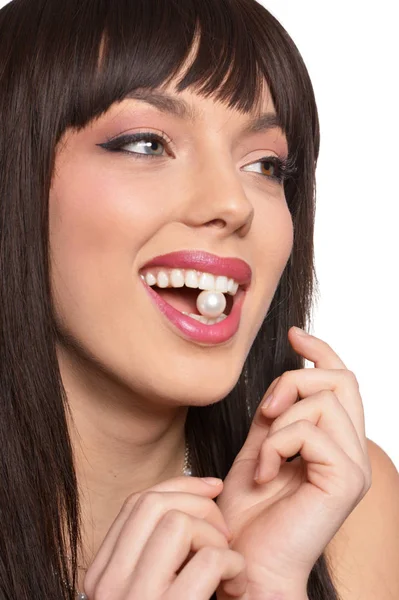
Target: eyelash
285, 166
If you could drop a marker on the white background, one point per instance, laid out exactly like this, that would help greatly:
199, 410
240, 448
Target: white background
351, 50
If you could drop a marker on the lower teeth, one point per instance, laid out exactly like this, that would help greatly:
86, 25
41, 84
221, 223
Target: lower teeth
205, 320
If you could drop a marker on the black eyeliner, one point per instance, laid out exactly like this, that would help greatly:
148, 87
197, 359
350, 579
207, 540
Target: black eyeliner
285, 166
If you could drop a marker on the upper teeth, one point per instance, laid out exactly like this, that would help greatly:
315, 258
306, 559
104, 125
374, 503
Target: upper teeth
178, 278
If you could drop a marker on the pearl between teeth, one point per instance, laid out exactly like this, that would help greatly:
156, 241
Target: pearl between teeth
211, 304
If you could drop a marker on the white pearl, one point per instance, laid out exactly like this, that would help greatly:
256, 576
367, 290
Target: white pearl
211, 304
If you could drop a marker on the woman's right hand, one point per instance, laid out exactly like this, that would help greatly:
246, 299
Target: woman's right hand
169, 542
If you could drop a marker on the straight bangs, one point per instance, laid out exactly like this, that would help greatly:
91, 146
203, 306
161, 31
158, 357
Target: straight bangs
116, 47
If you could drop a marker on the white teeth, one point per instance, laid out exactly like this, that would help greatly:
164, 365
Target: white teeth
192, 315
162, 279
232, 287
177, 278
190, 278
206, 282
150, 279
221, 284
204, 320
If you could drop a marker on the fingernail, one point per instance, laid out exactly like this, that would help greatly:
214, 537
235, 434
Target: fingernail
211, 480
267, 401
300, 331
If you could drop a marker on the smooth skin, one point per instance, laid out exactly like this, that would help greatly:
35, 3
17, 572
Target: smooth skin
274, 549
109, 215
283, 520
173, 528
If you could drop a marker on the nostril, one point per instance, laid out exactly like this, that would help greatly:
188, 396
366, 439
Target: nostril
216, 222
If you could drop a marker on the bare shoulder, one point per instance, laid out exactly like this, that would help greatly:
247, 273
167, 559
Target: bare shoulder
364, 553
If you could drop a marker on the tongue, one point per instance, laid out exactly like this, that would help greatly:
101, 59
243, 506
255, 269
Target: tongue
183, 299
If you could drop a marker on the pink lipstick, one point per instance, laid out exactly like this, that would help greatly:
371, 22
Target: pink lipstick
192, 329
200, 260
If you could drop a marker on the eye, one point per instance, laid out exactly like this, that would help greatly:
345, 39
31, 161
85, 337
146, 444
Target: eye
146, 144
271, 168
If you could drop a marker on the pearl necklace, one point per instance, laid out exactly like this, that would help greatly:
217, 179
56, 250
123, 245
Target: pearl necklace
186, 471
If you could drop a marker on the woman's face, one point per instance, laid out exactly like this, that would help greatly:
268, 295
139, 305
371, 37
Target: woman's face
111, 213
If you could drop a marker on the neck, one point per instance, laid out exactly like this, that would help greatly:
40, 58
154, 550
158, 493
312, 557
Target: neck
122, 444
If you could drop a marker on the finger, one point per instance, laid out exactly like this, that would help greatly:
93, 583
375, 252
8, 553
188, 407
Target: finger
306, 382
314, 349
226, 566
325, 411
194, 487
176, 534
328, 467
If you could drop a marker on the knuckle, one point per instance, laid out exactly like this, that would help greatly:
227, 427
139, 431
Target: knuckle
368, 476
175, 520
357, 479
331, 397
150, 500
284, 378
352, 378
304, 425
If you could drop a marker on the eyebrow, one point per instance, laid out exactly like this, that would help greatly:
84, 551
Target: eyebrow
178, 107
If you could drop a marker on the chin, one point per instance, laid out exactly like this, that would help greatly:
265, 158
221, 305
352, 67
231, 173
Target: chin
197, 392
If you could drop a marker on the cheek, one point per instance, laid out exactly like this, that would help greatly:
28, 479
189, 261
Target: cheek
273, 236
98, 224
94, 210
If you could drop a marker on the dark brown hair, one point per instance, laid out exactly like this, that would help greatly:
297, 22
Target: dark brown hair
51, 80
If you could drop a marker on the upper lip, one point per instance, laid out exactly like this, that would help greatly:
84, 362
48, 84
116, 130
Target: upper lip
234, 268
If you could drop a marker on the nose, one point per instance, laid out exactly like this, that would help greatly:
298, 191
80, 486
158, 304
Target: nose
219, 200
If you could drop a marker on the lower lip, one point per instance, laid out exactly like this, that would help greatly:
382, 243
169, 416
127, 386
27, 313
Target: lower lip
199, 332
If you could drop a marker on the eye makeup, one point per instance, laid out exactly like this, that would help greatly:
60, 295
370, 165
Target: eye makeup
283, 168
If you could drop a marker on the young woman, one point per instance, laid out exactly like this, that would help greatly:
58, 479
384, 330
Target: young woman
156, 248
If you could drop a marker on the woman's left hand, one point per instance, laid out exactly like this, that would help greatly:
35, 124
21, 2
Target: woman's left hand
282, 522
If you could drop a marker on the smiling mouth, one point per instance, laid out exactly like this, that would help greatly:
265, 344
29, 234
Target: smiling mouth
180, 288
185, 299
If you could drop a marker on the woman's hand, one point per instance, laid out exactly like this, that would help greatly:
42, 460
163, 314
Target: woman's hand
282, 522
169, 542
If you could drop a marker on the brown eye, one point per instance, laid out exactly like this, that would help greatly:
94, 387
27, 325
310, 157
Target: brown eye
268, 168
271, 168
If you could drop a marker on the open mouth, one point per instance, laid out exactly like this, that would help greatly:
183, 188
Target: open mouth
184, 299
181, 288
